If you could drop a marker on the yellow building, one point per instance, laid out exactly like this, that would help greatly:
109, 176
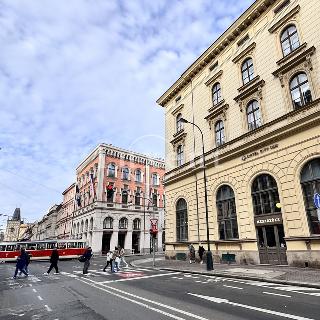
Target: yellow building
254, 93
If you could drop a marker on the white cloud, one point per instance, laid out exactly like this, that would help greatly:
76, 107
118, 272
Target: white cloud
77, 73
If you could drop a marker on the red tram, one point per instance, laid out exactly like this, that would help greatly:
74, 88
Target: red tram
41, 250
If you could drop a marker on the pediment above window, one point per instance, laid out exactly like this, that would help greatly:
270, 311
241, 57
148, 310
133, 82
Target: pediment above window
219, 110
282, 21
244, 53
294, 61
179, 137
177, 109
213, 78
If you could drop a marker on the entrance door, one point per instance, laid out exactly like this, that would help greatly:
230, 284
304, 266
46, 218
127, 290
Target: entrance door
136, 242
121, 239
272, 246
106, 242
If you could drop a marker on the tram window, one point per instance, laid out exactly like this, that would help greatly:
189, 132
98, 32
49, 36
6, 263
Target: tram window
11, 247
271, 239
80, 244
61, 245
50, 245
72, 244
2, 248
30, 246
41, 246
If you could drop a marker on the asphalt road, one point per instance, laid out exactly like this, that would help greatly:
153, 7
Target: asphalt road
143, 294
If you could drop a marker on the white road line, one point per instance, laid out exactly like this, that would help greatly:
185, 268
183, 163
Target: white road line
143, 277
276, 313
276, 294
192, 315
40, 298
34, 290
48, 308
233, 287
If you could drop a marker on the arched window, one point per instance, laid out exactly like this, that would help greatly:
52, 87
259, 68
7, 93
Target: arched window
227, 213
138, 175
108, 223
81, 230
111, 170
154, 179
179, 123
219, 131
180, 155
300, 90
124, 196
310, 183
216, 93
125, 173
247, 71
136, 224
91, 224
86, 226
253, 115
123, 223
265, 195
182, 220
289, 40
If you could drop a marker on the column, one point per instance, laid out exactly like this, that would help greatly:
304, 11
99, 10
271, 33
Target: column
128, 242
96, 241
159, 241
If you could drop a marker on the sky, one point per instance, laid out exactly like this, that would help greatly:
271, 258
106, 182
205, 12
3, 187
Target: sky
77, 73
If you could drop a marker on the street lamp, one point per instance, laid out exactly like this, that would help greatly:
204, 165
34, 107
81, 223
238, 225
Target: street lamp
209, 253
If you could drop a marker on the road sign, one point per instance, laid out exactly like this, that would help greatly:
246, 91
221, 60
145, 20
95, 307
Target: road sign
316, 200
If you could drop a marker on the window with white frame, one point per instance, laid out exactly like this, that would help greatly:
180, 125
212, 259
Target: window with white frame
247, 71
219, 132
289, 40
179, 123
125, 173
253, 115
138, 175
300, 90
216, 93
111, 170
180, 156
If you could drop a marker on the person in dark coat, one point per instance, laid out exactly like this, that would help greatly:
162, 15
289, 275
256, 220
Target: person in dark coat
201, 252
87, 255
27, 263
21, 263
54, 261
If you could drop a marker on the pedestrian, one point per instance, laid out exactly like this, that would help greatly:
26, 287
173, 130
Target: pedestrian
109, 256
116, 259
27, 263
87, 256
54, 258
121, 254
201, 252
192, 253
21, 263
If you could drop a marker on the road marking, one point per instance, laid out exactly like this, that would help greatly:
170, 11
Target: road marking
276, 294
34, 290
40, 298
193, 316
280, 314
233, 287
143, 277
48, 308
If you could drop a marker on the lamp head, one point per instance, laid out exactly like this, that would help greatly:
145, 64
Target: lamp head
184, 120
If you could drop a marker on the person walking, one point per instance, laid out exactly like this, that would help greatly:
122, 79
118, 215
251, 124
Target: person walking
121, 255
192, 253
109, 256
21, 263
116, 259
54, 258
87, 256
27, 263
201, 252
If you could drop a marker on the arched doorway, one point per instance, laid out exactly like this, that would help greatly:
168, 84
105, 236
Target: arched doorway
268, 220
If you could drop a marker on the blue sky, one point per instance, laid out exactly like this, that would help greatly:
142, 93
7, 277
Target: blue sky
79, 72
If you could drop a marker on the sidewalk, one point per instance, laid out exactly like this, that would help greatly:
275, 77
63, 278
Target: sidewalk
306, 277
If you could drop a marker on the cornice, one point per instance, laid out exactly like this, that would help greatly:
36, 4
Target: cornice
217, 110
177, 109
291, 54
257, 85
213, 78
244, 53
178, 137
229, 36
284, 19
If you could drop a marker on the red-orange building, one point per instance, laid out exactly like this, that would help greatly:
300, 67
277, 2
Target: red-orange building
122, 217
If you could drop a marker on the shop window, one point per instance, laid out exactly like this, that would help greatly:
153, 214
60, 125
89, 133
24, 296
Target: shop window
182, 220
310, 183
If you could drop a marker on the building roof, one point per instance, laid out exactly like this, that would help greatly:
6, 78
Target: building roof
16, 215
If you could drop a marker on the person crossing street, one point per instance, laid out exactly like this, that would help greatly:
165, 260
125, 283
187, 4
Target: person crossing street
54, 261
87, 256
21, 263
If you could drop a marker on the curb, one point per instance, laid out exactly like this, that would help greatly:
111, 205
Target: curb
233, 276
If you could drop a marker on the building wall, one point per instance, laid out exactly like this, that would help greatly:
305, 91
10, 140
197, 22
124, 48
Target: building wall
285, 142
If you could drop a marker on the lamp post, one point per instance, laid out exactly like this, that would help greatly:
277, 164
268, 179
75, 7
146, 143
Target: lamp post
209, 253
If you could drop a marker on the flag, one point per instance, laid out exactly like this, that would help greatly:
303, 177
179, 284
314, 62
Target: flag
92, 185
77, 196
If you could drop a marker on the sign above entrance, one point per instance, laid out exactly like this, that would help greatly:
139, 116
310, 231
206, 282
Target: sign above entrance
258, 152
270, 220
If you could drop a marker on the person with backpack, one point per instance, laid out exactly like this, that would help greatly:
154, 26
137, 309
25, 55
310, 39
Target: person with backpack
86, 257
54, 258
121, 255
109, 261
21, 263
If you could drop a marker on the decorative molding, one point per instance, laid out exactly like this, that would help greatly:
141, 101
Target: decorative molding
213, 78
292, 54
244, 53
284, 19
304, 57
216, 111
180, 137
177, 109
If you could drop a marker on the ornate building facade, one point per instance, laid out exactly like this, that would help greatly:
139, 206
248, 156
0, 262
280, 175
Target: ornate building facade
255, 95
119, 192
